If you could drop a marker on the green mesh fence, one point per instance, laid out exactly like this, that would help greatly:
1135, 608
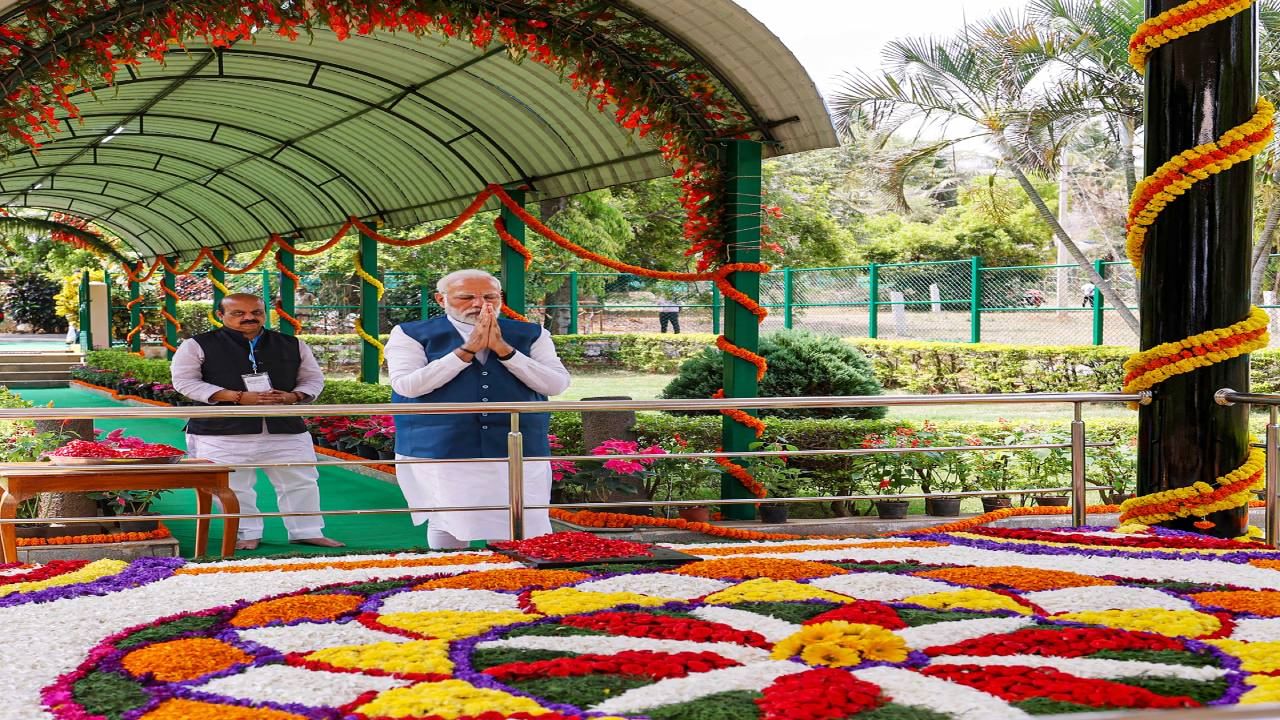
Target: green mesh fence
1038, 304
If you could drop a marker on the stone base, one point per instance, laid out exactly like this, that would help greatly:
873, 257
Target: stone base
163, 547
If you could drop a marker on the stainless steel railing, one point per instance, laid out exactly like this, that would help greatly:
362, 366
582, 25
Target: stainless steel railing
1271, 445
515, 459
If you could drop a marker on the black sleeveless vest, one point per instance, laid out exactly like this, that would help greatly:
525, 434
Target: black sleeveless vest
226, 358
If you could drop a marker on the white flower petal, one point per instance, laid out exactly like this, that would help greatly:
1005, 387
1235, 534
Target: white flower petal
287, 684
656, 585
306, 637
880, 586
449, 599
771, 628
946, 633
1113, 597
1257, 630
609, 645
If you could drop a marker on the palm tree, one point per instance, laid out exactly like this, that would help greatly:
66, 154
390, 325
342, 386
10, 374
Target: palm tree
984, 81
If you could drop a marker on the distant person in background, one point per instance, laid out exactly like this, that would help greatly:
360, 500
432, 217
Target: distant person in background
1087, 290
668, 313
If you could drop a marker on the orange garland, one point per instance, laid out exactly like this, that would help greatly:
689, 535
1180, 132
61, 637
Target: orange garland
1177, 22
389, 469
142, 318
586, 518
1001, 514
506, 310
97, 538
510, 240
279, 304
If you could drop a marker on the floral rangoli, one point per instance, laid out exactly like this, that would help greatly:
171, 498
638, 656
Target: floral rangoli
979, 624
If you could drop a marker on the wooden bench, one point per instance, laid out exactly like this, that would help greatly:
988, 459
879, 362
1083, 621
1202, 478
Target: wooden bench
21, 481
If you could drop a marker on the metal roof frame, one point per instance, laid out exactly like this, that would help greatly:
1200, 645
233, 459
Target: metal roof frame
222, 147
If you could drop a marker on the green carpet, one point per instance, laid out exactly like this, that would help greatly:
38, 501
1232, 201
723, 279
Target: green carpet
339, 490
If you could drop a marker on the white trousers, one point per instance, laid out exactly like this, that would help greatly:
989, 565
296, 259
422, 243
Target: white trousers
296, 488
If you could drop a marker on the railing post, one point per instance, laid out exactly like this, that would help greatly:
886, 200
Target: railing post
1078, 502
86, 339
786, 299
873, 301
573, 302
168, 288
975, 301
1272, 480
1097, 303
715, 308
515, 477
134, 340
266, 295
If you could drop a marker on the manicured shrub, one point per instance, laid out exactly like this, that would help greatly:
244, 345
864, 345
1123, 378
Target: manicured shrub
29, 300
800, 364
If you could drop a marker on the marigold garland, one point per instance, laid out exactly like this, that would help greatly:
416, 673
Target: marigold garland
97, 538
1151, 196
1176, 22
584, 518
500, 226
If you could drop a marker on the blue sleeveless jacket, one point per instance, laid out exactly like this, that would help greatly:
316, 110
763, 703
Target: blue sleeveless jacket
471, 435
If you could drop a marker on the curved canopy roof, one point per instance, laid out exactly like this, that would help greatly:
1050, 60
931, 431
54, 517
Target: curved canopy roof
223, 147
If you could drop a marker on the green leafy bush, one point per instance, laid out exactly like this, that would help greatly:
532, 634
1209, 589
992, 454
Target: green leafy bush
800, 364
353, 392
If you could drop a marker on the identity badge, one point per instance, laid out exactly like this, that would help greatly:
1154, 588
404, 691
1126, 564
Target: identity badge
256, 382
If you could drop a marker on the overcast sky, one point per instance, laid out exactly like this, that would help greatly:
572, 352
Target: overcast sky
833, 36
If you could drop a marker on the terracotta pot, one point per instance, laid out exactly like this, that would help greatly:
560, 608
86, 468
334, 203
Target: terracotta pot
773, 514
1053, 500
892, 509
996, 503
942, 507
696, 514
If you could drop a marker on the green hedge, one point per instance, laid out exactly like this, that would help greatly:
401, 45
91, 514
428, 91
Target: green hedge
125, 362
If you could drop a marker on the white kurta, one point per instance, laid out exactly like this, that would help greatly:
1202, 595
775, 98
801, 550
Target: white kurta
473, 483
296, 488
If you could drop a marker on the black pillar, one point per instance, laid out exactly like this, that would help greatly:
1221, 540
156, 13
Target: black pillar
1195, 272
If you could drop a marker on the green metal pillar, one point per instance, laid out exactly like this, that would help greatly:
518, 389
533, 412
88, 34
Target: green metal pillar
573, 302
86, 338
220, 277
267, 295
873, 302
788, 311
975, 301
424, 300
368, 309
716, 305
106, 280
742, 166
513, 281
135, 315
170, 281
1097, 304
288, 290
1195, 271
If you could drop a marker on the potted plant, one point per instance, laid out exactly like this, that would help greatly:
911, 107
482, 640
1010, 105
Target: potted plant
777, 477
597, 482
954, 475
380, 435
129, 507
1046, 466
993, 469
887, 473
1115, 466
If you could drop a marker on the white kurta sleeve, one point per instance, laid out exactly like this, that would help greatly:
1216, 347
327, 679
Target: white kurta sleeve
310, 376
541, 369
411, 374
187, 377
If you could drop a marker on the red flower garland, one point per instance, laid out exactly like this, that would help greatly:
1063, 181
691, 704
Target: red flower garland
574, 546
820, 694
666, 627
1065, 642
1014, 683
639, 663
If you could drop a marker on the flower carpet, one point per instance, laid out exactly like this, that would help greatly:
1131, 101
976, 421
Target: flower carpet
976, 624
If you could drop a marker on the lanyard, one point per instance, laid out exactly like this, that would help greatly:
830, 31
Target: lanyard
253, 349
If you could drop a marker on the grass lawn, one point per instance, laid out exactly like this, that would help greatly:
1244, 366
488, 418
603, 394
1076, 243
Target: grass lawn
637, 387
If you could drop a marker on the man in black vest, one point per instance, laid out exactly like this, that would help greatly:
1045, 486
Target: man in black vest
244, 364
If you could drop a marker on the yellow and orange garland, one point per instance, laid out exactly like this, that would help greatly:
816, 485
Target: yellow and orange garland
1151, 196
